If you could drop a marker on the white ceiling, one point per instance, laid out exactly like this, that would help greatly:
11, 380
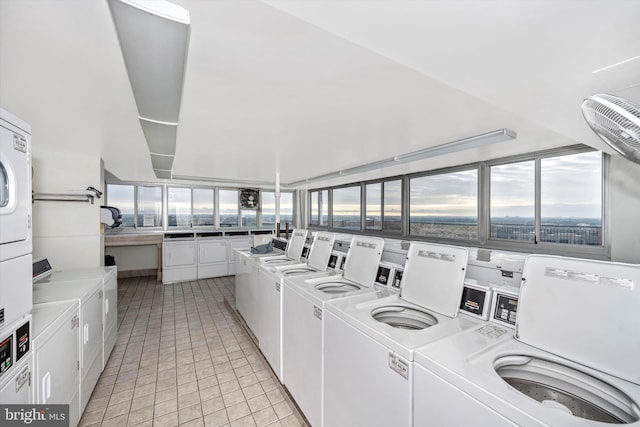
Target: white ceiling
311, 87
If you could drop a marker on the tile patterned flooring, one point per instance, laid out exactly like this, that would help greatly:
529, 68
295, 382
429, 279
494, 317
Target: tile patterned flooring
183, 359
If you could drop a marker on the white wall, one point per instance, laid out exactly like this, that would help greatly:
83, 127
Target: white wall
134, 257
68, 233
624, 179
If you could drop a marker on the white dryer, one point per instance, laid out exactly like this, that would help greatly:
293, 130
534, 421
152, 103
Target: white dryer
15, 187
88, 293
56, 339
302, 325
15, 220
109, 277
16, 362
571, 362
369, 340
269, 333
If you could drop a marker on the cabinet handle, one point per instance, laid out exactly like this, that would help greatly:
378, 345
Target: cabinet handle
106, 306
86, 333
46, 387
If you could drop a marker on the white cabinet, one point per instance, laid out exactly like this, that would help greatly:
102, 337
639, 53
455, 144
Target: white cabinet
212, 257
179, 261
57, 356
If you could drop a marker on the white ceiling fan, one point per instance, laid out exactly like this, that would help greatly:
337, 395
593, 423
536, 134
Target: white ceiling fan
616, 121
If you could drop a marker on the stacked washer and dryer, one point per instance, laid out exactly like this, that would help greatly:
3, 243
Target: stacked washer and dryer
15, 260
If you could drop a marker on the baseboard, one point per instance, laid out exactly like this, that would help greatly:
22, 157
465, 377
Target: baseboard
137, 273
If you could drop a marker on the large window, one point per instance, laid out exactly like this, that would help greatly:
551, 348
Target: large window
179, 207
345, 212
203, 207
512, 201
552, 199
269, 208
571, 199
319, 208
444, 205
123, 198
228, 208
383, 206
149, 206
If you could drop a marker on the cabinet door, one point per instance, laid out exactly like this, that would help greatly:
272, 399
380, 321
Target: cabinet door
56, 364
179, 254
91, 332
212, 251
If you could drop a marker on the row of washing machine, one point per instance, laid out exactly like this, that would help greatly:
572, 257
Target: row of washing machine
352, 352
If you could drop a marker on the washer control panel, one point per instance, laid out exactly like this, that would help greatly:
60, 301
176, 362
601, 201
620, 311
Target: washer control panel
505, 305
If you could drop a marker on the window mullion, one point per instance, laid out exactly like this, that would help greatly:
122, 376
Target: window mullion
538, 199
483, 203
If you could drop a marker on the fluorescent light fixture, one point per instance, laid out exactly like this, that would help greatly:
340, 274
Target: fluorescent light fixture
154, 37
162, 162
222, 180
369, 167
496, 136
162, 174
161, 137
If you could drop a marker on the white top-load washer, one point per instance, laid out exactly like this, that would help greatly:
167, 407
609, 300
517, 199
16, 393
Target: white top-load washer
269, 333
293, 252
369, 339
302, 313
248, 277
572, 361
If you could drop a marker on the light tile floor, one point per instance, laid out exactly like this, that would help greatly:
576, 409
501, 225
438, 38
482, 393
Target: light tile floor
182, 358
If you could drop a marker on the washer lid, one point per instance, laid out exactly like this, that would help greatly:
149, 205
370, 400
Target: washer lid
583, 310
434, 276
296, 244
363, 259
321, 250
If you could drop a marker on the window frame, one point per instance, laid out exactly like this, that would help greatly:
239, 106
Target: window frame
483, 208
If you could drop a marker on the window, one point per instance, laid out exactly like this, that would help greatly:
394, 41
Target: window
373, 209
286, 208
571, 199
149, 206
384, 214
179, 207
346, 208
122, 197
444, 205
269, 208
319, 209
228, 208
203, 207
249, 217
512, 202
392, 206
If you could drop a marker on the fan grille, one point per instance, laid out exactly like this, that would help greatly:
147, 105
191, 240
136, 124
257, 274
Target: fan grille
616, 121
